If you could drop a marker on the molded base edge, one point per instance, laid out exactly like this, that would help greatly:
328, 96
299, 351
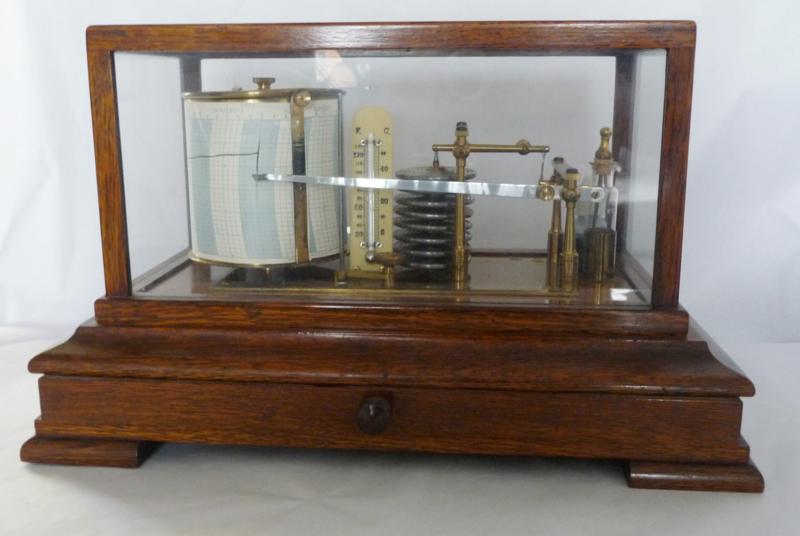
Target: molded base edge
695, 476
87, 452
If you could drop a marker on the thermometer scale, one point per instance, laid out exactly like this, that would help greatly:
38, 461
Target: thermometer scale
370, 210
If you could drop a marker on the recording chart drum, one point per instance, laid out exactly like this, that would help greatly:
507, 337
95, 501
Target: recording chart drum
234, 137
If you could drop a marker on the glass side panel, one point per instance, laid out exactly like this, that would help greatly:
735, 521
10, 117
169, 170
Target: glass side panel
486, 179
151, 135
646, 158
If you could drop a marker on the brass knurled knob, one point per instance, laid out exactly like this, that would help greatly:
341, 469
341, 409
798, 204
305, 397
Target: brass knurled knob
263, 84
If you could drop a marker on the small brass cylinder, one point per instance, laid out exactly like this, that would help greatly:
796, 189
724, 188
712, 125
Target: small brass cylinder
600, 247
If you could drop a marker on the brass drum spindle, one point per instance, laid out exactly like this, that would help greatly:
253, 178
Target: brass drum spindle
298, 103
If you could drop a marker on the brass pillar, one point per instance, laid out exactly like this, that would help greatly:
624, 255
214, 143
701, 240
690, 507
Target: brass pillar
553, 242
569, 256
298, 103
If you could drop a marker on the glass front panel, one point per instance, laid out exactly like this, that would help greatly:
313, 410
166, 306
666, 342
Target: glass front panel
464, 178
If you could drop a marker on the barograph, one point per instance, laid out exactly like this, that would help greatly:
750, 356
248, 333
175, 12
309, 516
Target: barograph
451, 237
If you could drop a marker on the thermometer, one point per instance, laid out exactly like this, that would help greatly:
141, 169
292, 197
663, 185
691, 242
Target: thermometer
370, 209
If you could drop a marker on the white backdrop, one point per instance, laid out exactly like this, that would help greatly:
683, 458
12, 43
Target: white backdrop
741, 263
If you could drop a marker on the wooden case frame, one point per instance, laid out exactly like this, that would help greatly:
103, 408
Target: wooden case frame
534, 381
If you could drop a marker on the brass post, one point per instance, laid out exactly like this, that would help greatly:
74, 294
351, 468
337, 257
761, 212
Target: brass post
569, 256
461, 150
298, 102
553, 239
546, 192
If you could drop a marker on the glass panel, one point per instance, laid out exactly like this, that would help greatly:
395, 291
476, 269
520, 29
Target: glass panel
461, 178
151, 135
650, 72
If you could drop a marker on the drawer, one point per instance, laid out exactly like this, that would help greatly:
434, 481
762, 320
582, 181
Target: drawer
394, 418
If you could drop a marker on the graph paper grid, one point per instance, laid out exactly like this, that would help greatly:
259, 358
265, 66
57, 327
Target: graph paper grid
237, 219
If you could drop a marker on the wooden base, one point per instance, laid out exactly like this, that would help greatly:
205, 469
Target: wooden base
107, 394
695, 476
640, 474
88, 452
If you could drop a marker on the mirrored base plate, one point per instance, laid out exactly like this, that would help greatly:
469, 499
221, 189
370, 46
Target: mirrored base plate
518, 277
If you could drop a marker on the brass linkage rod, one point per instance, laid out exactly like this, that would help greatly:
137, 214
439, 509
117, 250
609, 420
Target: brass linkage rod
521, 147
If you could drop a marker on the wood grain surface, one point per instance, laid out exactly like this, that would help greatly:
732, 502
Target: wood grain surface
672, 179
108, 162
457, 318
430, 420
381, 359
695, 477
588, 36
91, 452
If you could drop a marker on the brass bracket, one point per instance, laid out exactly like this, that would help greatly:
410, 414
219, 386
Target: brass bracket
461, 148
386, 260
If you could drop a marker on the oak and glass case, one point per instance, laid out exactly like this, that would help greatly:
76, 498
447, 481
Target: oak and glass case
453, 237
411, 176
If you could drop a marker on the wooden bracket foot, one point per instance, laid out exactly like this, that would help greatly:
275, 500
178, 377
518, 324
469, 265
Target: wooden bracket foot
94, 452
695, 476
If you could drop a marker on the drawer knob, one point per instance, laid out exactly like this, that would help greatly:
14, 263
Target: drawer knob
374, 415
